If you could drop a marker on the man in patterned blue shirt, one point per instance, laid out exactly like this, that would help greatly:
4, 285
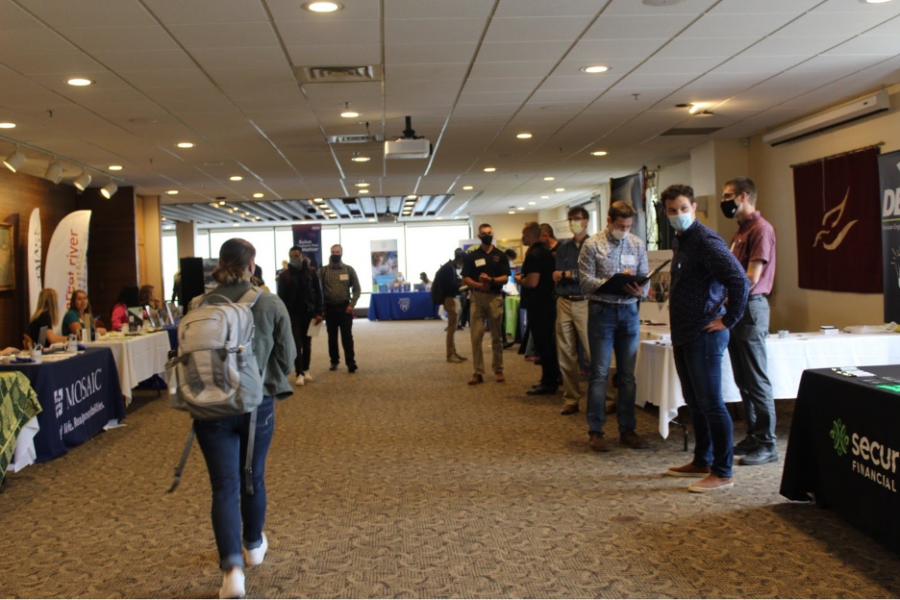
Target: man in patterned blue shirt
613, 322
707, 297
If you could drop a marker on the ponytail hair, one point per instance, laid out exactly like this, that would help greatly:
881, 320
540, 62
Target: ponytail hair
234, 262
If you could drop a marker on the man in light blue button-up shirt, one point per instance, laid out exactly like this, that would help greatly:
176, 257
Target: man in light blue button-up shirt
613, 322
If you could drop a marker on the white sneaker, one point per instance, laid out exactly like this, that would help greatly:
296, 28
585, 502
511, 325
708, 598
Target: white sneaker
299, 380
257, 555
308, 377
233, 584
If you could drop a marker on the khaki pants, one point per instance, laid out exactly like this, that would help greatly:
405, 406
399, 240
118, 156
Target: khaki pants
451, 305
571, 327
486, 306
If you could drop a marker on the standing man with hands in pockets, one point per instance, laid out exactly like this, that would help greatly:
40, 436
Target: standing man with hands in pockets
613, 322
486, 271
340, 286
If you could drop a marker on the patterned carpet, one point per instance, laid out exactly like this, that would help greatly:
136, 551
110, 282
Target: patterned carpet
403, 481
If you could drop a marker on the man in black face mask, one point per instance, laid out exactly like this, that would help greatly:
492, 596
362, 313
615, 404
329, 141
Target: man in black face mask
486, 271
341, 291
298, 287
753, 245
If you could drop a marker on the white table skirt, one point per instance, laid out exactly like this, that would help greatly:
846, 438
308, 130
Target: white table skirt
658, 383
137, 357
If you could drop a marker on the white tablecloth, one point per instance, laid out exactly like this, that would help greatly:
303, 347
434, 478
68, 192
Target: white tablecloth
137, 357
657, 381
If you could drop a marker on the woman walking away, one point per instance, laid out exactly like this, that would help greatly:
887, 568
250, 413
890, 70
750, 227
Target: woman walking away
224, 441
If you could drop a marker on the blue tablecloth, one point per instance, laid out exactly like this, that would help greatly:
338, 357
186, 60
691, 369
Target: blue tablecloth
79, 396
402, 305
172, 330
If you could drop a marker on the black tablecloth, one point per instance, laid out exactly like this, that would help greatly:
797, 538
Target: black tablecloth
844, 448
78, 395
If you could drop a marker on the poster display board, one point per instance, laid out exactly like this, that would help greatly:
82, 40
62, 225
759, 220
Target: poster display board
889, 175
384, 264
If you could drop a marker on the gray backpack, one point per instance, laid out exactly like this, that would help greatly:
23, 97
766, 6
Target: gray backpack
218, 374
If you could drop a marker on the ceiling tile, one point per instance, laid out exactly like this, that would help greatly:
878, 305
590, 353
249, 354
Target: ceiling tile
33, 41
750, 24
225, 35
416, 9
548, 8
99, 39
204, 11
634, 27
425, 31
310, 33
816, 22
549, 28
345, 55
515, 51
96, 13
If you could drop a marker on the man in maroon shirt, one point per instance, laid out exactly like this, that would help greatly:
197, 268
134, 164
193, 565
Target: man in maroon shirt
753, 244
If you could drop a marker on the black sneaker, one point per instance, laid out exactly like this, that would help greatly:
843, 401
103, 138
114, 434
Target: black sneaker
333, 367
746, 446
760, 456
352, 368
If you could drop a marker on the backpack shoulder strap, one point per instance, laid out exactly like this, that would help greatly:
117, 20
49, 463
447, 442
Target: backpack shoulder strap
251, 296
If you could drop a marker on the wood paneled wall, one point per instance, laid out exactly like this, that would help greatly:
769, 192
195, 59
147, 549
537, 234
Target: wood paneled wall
112, 247
19, 195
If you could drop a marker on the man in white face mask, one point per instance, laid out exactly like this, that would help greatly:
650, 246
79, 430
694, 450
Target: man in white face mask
571, 310
613, 322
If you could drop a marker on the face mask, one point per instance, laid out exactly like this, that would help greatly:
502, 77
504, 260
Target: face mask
729, 208
576, 227
486, 239
681, 222
296, 263
335, 259
618, 234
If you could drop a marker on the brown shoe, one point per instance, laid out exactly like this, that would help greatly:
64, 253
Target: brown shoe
569, 409
598, 443
688, 470
633, 440
500, 377
711, 483
476, 379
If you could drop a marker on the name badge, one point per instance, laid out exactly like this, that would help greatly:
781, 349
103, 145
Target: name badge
344, 277
629, 260
480, 262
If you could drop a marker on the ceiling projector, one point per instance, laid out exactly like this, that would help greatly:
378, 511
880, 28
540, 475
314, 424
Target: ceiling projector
409, 146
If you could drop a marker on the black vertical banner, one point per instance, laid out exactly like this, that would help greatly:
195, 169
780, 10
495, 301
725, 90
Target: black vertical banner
889, 174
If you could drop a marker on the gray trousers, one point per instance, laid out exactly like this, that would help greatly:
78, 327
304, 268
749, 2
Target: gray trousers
747, 349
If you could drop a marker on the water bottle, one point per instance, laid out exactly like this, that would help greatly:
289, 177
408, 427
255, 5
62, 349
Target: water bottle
37, 354
72, 344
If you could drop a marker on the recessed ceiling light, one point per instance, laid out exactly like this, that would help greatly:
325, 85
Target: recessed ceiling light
322, 7
362, 184
523, 136
258, 195
560, 189
599, 153
115, 167
467, 188
349, 114
318, 200
490, 169
440, 218
163, 218
214, 204
360, 159
698, 107
532, 203
222, 203
235, 225
7, 125
549, 178
412, 197
521, 208
185, 145
79, 81
235, 178
373, 220
595, 69
512, 212
172, 192
545, 197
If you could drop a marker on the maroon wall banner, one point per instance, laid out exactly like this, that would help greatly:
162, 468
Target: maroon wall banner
838, 205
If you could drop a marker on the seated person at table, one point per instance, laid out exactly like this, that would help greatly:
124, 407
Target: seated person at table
129, 296
78, 307
423, 277
46, 315
149, 298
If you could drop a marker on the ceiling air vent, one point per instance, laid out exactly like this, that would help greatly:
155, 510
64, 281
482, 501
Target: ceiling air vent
364, 74
691, 131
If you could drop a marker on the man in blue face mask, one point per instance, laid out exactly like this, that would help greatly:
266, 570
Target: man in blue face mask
707, 297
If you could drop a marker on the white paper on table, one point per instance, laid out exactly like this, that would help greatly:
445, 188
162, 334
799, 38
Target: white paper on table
314, 328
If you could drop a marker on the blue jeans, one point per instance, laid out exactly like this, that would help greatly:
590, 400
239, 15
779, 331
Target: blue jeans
224, 446
699, 366
612, 328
